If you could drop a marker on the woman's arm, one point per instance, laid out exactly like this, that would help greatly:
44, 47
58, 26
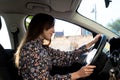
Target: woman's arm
66, 58
95, 39
35, 64
85, 71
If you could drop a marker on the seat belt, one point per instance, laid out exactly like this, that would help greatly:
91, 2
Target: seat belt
15, 38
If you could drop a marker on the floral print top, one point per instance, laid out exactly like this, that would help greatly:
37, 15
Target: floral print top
36, 61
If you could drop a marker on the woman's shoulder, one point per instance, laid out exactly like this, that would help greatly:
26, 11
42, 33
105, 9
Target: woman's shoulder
33, 44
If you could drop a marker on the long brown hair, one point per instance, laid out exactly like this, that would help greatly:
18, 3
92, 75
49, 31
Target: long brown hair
38, 23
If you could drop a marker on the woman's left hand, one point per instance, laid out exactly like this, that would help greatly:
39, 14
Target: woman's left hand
95, 39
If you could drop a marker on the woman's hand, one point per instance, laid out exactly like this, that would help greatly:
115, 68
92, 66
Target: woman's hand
85, 71
95, 39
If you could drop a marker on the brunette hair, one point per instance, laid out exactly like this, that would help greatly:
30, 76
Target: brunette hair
38, 24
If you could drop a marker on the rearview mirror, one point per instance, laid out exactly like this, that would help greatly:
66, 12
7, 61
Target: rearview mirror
107, 2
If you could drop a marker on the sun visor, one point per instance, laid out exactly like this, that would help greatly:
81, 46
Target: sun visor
64, 5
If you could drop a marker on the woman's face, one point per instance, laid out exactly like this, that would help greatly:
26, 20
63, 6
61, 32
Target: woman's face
47, 34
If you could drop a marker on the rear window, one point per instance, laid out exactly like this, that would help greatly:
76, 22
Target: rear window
4, 36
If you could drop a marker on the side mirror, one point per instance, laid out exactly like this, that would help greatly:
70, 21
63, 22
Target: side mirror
107, 2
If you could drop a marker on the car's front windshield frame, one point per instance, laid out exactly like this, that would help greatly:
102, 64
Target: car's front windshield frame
97, 11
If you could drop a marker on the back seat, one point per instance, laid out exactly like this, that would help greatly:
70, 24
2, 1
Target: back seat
8, 71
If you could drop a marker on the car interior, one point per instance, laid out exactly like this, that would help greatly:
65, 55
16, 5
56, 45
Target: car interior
15, 12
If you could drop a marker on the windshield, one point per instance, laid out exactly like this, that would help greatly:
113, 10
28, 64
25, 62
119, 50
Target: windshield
96, 10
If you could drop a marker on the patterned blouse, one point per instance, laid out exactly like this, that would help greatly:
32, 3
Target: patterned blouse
36, 61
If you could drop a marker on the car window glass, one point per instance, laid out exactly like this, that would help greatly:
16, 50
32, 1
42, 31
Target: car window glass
97, 11
67, 36
4, 37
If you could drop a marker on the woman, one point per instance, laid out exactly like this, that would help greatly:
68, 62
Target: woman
34, 59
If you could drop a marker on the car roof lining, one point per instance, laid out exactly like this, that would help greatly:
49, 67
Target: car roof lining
26, 6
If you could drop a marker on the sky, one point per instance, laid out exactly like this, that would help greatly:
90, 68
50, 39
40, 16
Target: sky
103, 15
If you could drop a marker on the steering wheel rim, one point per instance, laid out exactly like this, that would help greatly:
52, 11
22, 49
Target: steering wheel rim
99, 45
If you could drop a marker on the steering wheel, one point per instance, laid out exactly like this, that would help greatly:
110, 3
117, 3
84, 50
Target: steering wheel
93, 55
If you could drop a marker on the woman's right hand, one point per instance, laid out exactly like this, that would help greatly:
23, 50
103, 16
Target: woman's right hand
85, 71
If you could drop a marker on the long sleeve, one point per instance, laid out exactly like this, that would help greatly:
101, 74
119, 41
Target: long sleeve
62, 58
35, 64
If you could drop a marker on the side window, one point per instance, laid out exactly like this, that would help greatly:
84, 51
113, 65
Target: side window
4, 41
67, 36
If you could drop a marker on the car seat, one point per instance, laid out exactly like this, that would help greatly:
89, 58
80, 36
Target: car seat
8, 71
4, 73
